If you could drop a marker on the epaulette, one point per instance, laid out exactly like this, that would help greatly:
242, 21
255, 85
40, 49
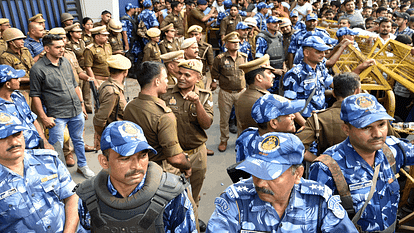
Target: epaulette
243, 54
89, 46
45, 155
314, 188
163, 106
220, 55
241, 190
161, 42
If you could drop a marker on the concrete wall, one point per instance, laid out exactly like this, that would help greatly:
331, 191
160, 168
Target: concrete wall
94, 8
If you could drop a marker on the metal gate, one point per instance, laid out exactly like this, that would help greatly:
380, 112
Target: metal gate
19, 11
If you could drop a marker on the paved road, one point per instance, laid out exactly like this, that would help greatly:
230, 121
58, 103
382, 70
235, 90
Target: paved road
216, 178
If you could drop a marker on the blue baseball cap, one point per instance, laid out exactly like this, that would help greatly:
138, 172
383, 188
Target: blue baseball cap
273, 19
362, 109
10, 125
315, 42
129, 6
202, 2
242, 26
261, 5
270, 106
227, 3
125, 138
345, 31
311, 16
272, 154
294, 14
147, 3
7, 72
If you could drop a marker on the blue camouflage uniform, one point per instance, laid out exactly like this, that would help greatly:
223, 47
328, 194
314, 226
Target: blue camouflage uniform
172, 211
246, 48
300, 25
34, 47
361, 111
20, 109
260, 18
33, 203
149, 19
128, 27
239, 207
244, 141
382, 209
299, 82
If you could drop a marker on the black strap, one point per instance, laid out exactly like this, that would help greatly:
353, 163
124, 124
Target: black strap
95, 212
155, 208
308, 100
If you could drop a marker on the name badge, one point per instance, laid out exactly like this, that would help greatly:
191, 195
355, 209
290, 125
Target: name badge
360, 185
51, 177
8, 193
307, 81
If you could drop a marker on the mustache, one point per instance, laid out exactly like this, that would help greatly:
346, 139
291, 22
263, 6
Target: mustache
376, 139
263, 190
134, 172
12, 147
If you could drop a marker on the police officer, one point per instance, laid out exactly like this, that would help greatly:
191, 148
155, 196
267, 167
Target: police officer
18, 57
270, 42
38, 19
13, 102
96, 55
259, 78
156, 119
193, 108
76, 44
231, 80
243, 29
171, 61
148, 17
260, 17
152, 50
4, 24
251, 22
275, 198
309, 79
111, 96
175, 18
271, 113
190, 47
170, 43
136, 183
129, 33
115, 37
368, 161
66, 19
36, 186
105, 17
228, 24
205, 52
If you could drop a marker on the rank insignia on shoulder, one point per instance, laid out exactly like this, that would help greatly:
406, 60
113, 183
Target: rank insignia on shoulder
172, 101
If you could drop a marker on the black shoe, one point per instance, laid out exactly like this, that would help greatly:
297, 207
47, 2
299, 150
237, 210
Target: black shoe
203, 226
233, 127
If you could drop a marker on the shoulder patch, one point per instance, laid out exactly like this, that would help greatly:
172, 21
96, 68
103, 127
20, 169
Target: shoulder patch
334, 204
222, 204
314, 188
220, 55
163, 106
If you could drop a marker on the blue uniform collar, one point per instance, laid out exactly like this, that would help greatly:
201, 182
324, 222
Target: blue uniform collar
355, 161
115, 193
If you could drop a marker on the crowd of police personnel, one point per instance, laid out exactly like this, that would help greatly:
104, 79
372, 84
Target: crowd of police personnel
50, 80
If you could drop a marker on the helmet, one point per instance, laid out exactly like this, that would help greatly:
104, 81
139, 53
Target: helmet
65, 16
13, 34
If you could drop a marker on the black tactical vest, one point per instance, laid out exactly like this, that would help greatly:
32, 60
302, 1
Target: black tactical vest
274, 48
142, 212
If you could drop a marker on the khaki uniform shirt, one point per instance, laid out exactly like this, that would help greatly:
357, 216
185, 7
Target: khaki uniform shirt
228, 24
158, 123
244, 106
176, 20
151, 52
116, 42
286, 42
110, 94
195, 17
205, 52
190, 133
87, 38
74, 63
330, 129
24, 61
78, 48
169, 46
172, 80
3, 46
227, 71
95, 57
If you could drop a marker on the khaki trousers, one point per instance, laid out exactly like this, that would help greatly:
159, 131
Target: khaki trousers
226, 100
